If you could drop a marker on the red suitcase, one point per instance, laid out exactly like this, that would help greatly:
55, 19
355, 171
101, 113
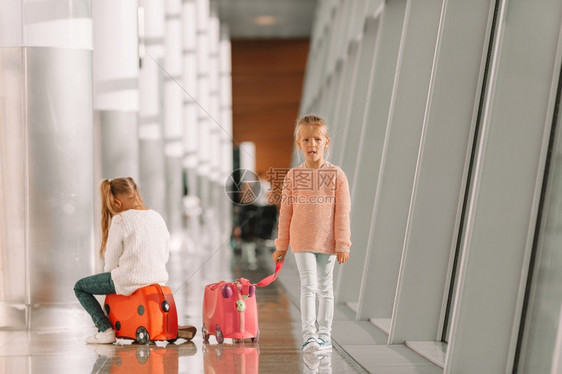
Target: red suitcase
143, 359
148, 314
230, 309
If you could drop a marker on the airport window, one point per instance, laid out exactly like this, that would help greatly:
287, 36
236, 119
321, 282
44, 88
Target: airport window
540, 344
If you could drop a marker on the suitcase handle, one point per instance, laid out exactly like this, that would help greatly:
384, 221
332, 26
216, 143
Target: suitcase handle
161, 291
267, 280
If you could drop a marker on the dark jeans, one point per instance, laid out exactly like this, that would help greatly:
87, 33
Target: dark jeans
86, 288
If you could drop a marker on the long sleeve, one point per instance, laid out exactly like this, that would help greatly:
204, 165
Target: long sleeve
114, 245
285, 214
342, 231
137, 250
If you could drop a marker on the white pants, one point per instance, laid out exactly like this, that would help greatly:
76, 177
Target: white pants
316, 274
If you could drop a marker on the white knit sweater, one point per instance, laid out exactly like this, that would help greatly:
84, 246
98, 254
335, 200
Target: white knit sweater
137, 250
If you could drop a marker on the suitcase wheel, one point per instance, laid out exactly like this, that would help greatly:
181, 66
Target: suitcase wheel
142, 335
143, 353
257, 337
219, 336
205, 333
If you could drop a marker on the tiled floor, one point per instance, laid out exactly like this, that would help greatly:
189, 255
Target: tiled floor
359, 346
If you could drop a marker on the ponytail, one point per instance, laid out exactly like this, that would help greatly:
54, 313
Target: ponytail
109, 188
106, 214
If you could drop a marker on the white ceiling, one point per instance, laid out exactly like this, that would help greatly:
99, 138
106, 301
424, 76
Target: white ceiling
283, 18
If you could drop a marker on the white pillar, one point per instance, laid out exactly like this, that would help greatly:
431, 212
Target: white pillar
215, 126
190, 106
116, 99
226, 121
248, 156
190, 119
204, 101
46, 200
151, 145
173, 112
215, 131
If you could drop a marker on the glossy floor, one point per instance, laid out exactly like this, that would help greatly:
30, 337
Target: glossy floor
358, 346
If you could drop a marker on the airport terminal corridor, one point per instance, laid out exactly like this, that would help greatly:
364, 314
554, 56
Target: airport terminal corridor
424, 138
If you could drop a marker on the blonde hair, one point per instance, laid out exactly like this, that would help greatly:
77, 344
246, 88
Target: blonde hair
311, 120
109, 189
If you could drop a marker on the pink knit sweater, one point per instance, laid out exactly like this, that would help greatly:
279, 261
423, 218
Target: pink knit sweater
314, 215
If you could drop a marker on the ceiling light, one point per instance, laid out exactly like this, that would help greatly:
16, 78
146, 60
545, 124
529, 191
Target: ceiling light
265, 20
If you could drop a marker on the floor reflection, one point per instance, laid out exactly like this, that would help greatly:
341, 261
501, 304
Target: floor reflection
317, 363
241, 358
238, 358
140, 359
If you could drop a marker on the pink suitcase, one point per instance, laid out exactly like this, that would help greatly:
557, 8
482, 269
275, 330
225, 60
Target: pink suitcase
230, 309
225, 358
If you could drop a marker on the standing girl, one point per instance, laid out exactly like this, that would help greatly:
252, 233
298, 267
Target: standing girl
135, 247
314, 220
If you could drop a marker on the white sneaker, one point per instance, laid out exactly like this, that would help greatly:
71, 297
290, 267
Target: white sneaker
310, 345
310, 360
105, 337
324, 344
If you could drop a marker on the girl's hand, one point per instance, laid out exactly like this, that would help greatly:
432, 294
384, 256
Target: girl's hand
279, 255
342, 257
